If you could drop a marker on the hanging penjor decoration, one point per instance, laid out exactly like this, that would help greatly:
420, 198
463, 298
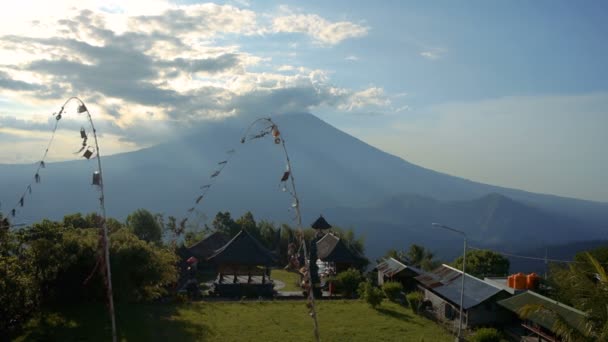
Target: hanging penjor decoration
297, 251
87, 151
289, 185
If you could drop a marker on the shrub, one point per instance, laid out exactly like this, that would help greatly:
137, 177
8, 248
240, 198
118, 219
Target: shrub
347, 282
392, 290
486, 335
371, 294
415, 299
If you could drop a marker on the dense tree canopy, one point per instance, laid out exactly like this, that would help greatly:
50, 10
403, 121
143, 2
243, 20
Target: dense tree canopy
143, 224
50, 262
484, 263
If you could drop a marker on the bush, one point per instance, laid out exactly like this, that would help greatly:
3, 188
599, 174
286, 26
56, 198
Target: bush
371, 294
392, 290
347, 282
415, 299
486, 335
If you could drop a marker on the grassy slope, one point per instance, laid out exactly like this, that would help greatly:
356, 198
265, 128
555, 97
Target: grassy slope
290, 279
263, 321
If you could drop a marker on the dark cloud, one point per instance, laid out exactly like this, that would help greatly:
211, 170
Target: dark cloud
8, 83
96, 63
211, 65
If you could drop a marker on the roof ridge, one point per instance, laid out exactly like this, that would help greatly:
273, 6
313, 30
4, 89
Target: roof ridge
556, 302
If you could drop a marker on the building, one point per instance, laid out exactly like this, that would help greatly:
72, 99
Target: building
392, 269
542, 325
208, 245
334, 252
442, 289
243, 268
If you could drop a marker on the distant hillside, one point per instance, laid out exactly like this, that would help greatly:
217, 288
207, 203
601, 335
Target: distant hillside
557, 252
332, 170
490, 221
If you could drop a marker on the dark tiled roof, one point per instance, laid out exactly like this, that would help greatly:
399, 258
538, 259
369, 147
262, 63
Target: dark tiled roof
331, 248
243, 249
572, 316
208, 245
391, 267
320, 223
447, 281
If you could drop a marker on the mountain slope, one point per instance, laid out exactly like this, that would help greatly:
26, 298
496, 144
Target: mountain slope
331, 168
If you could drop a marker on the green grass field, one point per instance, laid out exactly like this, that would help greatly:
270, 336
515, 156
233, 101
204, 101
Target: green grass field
235, 321
290, 279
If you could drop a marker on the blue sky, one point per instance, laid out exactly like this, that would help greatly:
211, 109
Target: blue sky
512, 93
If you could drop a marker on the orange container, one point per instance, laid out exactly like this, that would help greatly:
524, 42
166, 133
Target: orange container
520, 281
511, 281
532, 281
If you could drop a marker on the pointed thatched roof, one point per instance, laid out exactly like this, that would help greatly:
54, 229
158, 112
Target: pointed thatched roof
320, 223
243, 249
208, 245
332, 248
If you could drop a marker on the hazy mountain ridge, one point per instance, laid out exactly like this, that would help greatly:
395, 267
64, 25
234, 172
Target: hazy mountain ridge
332, 170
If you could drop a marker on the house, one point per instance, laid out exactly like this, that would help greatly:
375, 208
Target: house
542, 325
334, 252
442, 288
243, 268
392, 269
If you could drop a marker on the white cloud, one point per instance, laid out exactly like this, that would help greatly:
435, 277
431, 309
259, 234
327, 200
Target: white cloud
370, 97
352, 58
320, 29
433, 54
158, 67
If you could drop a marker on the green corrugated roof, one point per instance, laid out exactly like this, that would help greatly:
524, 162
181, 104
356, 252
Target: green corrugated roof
572, 316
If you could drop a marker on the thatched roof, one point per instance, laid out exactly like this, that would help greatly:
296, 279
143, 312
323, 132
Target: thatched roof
331, 248
243, 249
208, 245
320, 223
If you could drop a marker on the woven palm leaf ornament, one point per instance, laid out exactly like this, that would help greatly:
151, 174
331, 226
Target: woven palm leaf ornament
88, 150
289, 185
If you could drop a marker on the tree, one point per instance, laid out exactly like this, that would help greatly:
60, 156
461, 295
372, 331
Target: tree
371, 294
141, 271
348, 281
584, 285
145, 226
224, 223
484, 263
416, 256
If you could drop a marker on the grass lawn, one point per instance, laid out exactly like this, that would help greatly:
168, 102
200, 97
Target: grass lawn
290, 279
235, 321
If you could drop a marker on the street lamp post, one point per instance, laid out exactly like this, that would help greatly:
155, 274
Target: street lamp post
464, 261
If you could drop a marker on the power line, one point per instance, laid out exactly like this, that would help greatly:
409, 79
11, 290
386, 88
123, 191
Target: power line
531, 257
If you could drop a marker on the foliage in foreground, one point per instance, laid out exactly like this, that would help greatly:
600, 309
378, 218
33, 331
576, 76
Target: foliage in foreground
414, 299
393, 290
347, 282
56, 263
486, 335
370, 294
584, 285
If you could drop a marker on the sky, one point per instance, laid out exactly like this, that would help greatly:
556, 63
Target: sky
507, 93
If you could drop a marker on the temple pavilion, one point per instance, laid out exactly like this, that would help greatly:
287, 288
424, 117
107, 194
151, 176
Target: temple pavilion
243, 268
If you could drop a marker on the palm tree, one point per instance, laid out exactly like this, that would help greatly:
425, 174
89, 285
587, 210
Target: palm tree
590, 294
